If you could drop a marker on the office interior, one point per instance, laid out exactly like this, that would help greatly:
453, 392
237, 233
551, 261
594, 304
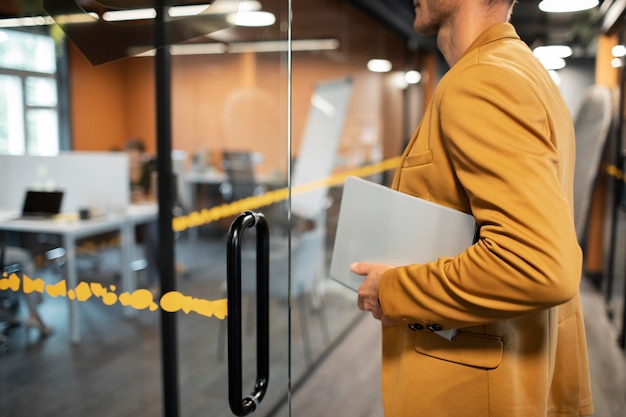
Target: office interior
247, 126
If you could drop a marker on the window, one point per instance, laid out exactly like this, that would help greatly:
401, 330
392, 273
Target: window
29, 109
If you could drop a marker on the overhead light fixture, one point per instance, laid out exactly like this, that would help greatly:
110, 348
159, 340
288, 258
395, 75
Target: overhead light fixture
134, 14
184, 11
298, 45
564, 6
617, 62
379, 65
223, 7
413, 77
185, 49
552, 63
26, 21
618, 51
252, 19
216, 7
398, 80
559, 51
197, 48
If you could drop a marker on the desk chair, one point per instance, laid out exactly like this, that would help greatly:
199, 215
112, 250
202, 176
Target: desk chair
240, 181
592, 127
9, 301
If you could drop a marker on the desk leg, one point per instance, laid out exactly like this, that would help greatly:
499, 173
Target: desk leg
72, 283
193, 191
127, 254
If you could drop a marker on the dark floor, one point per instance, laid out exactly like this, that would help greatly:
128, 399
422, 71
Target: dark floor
115, 370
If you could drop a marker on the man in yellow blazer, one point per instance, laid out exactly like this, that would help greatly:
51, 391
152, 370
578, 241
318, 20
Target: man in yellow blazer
497, 141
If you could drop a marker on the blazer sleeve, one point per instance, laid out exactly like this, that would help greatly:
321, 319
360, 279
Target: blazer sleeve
499, 138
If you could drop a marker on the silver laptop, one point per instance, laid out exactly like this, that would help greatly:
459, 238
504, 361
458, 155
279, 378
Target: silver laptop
378, 224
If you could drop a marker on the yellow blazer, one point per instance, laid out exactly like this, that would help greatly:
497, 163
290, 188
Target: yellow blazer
497, 141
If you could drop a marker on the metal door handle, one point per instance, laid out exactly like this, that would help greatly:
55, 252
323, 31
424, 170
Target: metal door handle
243, 406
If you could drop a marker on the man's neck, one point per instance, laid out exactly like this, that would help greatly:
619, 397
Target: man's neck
457, 34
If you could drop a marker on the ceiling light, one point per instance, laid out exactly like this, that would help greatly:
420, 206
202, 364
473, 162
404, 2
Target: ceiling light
136, 14
182, 11
559, 51
282, 46
244, 47
562, 6
197, 48
617, 63
379, 65
618, 51
413, 77
26, 21
552, 63
398, 79
252, 19
249, 6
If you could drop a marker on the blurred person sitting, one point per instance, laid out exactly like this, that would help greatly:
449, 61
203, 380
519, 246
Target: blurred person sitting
142, 168
16, 255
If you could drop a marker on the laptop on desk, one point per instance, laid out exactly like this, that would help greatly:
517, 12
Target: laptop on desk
41, 204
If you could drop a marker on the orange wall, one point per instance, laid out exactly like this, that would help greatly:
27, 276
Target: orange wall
110, 103
240, 101
219, 101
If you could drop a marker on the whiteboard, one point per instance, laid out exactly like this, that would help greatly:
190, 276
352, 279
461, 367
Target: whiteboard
320, 141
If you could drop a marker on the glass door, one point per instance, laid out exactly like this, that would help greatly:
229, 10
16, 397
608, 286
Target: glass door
145, 279
231, 109
196, 153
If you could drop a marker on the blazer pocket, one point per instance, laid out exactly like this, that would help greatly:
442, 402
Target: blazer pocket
418, 159
470, 349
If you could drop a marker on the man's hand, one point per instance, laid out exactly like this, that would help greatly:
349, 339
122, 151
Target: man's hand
368, 291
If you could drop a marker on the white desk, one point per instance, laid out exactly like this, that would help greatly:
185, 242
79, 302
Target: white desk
73, 230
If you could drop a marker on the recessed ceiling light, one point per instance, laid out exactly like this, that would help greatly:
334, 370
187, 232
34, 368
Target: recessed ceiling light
26, 21
252, 19
413, 77
379, 65
563, 6
183, 11
553, 63
618, 51
559, 51
131, 14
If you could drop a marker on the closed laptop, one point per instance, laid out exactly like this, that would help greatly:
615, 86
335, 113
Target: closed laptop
381, 225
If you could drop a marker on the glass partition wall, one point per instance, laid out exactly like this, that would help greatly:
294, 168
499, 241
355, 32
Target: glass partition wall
264, 119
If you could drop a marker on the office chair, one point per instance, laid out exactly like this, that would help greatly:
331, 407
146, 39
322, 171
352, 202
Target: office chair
240, 178
9, 301
592, 127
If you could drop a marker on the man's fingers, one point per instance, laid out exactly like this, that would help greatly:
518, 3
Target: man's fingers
357, 268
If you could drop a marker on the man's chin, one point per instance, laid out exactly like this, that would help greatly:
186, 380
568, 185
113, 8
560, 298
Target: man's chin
425, 31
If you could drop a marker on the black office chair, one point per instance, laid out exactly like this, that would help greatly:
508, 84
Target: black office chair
240, 178
9, 300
